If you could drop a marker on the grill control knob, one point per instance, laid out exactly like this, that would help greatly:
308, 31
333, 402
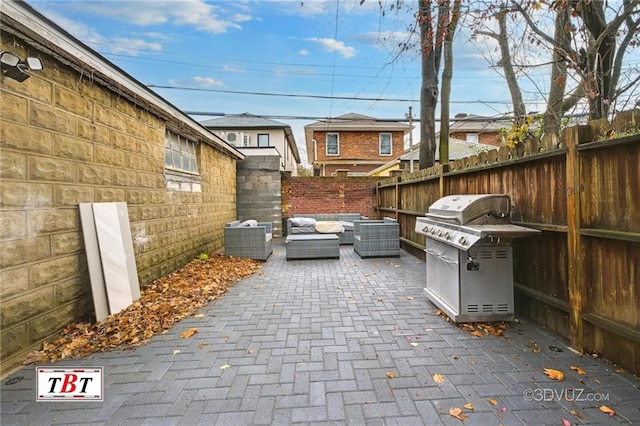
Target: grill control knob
447, 235
463, 241
439, 233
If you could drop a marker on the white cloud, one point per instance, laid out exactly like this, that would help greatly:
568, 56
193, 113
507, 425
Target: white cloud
195, 13
232, 68
197, 81
241, 17
332, 45
88, 35
132, 46
303, 52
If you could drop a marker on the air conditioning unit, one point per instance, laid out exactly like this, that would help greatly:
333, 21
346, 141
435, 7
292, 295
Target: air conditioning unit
235, 138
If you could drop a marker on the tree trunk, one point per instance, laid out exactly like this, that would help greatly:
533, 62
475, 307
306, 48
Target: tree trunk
429, 88
553, 115
447, 75
519, 110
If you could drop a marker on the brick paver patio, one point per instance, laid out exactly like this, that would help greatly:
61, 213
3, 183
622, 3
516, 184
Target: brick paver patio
316, 341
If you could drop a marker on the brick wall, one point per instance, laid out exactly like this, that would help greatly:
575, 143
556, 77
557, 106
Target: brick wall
359, 145
65, 140
329, 195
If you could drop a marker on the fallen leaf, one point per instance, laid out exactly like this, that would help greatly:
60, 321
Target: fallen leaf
164, 302
224, 367
391, 374
504, 409
565, 422
202, 345
607, 410
177, 351
554, 374
457, 413
468, 406
574, 413
621, 370
492, 402
477, 333
198, 316
414, 344
188, 333
438, 378
578, 369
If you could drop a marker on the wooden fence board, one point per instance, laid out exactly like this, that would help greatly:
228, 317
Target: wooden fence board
581, 277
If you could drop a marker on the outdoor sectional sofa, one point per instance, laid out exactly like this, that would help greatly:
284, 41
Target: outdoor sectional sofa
297, 227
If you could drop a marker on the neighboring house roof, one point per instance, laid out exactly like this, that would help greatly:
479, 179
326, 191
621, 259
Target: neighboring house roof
246, 121
352, 122
23, 21
472, 123
457, 149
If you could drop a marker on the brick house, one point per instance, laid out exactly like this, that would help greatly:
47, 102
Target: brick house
352, 143
478, 129
79, 131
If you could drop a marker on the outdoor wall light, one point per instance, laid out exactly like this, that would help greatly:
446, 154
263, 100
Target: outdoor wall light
16, 69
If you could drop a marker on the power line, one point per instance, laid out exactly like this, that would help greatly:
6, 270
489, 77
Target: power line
295, 95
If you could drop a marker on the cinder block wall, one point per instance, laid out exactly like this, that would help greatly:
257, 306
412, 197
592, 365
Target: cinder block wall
65, 140
259, 194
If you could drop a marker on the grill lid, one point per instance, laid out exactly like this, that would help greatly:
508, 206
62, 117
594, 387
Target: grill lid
463, 209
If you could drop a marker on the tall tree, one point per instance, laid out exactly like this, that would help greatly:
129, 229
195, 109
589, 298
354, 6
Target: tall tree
432, 39
596, 58
447, 76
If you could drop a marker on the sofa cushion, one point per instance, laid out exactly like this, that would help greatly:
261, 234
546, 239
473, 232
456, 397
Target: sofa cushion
329, 227
303, 229
303, 221
348, 226
249, 222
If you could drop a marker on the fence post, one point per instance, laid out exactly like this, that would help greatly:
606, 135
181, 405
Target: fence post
442, 168
577, 292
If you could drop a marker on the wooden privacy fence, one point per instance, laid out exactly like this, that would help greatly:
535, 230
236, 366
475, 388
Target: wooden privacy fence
581, 277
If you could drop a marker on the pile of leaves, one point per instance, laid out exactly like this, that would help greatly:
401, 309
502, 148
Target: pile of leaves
162, 304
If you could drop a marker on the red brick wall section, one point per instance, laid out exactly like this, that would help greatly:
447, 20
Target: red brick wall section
359, 145
329, 195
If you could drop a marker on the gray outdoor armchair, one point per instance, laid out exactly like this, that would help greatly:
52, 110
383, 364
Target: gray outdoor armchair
250, 239
376, 238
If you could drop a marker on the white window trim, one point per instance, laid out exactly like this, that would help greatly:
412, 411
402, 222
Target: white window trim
390, 144
472, 137
326, 150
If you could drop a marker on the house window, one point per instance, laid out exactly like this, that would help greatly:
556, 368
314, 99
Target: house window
263, 140
179, 153
333, 144
385, 144
472, 137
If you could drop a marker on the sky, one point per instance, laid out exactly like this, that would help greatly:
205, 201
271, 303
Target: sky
293, 61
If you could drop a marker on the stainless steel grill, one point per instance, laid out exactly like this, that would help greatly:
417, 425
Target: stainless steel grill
469, 256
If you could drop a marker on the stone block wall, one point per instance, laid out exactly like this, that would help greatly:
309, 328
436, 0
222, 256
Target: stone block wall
66, 140
259, 194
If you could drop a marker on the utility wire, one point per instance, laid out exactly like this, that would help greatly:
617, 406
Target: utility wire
294, 95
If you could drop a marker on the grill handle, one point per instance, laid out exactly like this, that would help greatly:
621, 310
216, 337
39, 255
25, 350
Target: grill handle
453, 219
442, 217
